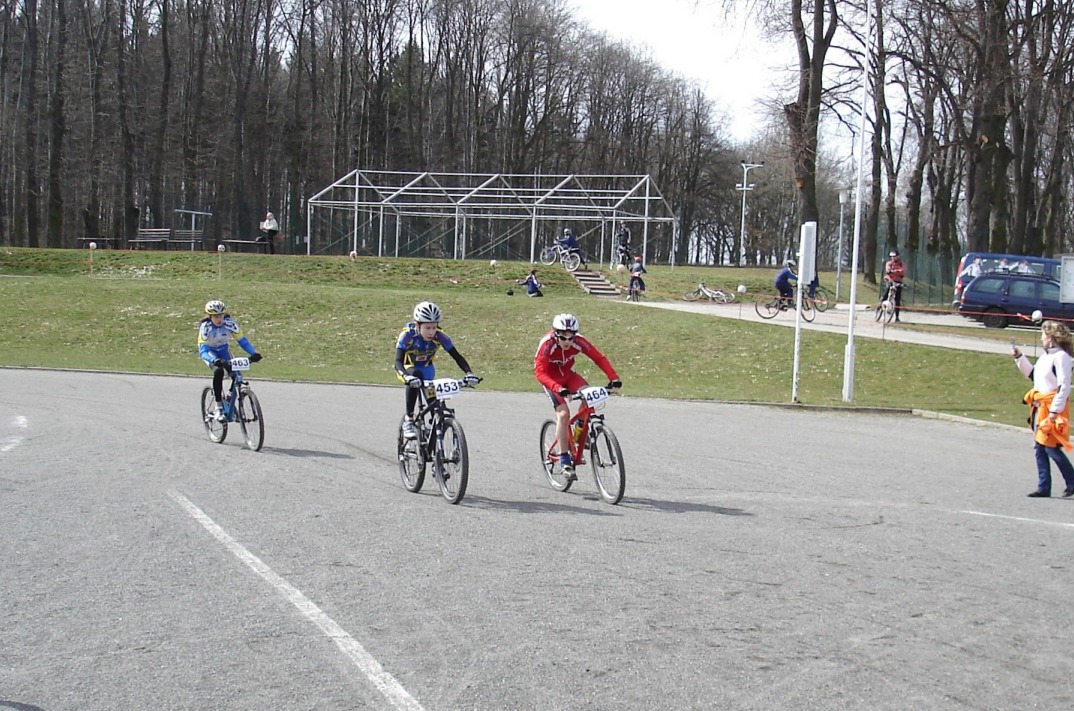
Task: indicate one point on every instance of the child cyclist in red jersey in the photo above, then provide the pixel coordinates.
(553, 364)
(414, 352)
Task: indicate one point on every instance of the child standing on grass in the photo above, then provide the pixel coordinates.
(415, 350)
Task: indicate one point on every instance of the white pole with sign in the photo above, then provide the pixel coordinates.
(807, 271)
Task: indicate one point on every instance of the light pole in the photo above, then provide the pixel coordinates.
(745, 187)
(843, 197)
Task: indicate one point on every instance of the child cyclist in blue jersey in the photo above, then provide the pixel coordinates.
(214, 334)
(415, 350)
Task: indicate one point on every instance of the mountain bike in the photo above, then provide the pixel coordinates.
(440, 441)
(240, 405)
(589, 433)
(885, 310)
(571, 259)
(768, 306)
(703, 292)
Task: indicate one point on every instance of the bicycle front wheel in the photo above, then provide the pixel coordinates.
(411, 460)
(692, 295)
(452, 462)
(550, 458)
(250, 420)
(217, 431)
(606, 458)
(766, 307)
(548, 256)
(571, 261)
(821, 301)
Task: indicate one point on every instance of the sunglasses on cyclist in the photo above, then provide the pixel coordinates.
(568, 336)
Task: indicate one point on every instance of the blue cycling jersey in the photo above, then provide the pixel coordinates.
(419, 353)
(213, 340)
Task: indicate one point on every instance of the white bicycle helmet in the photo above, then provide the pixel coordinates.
(565, 322)
(214, 307)
(790, 263)
(427, 312)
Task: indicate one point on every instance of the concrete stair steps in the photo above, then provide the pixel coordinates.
(594, 283)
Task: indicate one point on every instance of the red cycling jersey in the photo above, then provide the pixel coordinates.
(553, 364)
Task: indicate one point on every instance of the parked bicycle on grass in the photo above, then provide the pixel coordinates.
(703, 292)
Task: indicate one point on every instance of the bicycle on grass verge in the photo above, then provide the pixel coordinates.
(440, 441)
(588, 433)
(703, 292)
(240, 405)
(768, 306)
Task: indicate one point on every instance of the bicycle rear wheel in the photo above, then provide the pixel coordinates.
(809, 312)
(635, 294)
(550, 458)
(767, 307)
(411, 460)
(217, 431)
(452, 462)
(692, 295)
(723, 297)
(548, 256)
(606, 458)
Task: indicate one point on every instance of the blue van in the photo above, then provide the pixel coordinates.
(974, 264)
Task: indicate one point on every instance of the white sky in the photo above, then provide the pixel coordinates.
(693, 39)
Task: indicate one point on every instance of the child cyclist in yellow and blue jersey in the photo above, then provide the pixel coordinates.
(414, 353)
(214, 334)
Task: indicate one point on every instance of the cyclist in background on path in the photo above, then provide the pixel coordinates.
(636, 270)
(553, 364)
(784, 285)
(415, 350)
(214, 335)
(895, 271)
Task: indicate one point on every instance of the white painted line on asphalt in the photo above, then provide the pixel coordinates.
(384, 682)
(1019, 518)
(10, 443)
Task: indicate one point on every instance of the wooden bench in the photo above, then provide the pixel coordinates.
(186, 238)
(148, 236)
(258, 246)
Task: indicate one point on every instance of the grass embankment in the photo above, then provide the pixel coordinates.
(331, 319)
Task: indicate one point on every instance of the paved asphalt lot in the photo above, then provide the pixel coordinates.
(763, 558)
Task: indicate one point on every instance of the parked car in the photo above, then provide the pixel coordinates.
(974, 264)
(1000, 299)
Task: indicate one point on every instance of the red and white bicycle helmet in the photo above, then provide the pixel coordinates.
(565, 322)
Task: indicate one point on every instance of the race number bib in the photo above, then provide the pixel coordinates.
(594, 395)
(240, 363)
(445, 388)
